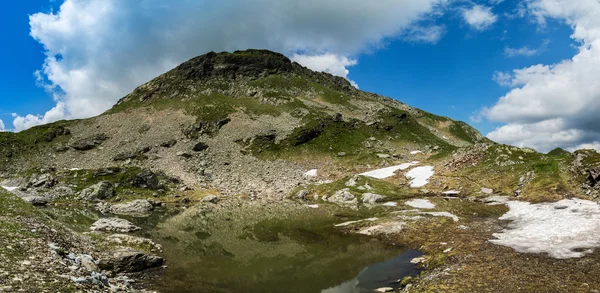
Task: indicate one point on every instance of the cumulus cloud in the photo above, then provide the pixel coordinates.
(555, 105)
(99, 50)
(2, 128)
(479, 17)
(330, 63)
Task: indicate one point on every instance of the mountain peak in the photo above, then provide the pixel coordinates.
(248, 63)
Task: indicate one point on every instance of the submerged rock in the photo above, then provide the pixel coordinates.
(114, 225)
(129, 260)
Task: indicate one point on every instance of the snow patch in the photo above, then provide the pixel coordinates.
(74, 169)
(419, 176)
(311, 173)
(451, 192)
(564, 229)
(420, 204)
(389, 171)
(390, 204)
(416, 152)
(313, 206)
(9, 188)
(441, 214)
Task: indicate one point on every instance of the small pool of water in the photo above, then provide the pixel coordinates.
(263, 249)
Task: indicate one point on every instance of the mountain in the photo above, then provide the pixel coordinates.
(252, 122)
(231, 151)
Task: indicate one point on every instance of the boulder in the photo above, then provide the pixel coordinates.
(133, 240)
(88, 143)
(302, 194)
(138, 207)
(36, 200)
(371, 198)
(169, 143)
(342, 196)
(124, 156)
(211, 199)
(114, 225)
(43, 180)
(200, 147)
(99, 191)
(147, 179)
(129, 260)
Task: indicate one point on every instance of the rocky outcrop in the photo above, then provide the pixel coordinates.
(100, 191)
(89, 143)
(147, 179)
(129, 260)
(114, 225)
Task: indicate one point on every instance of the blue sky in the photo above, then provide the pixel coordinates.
(437, 55)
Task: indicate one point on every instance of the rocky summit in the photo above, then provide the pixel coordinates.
(223, 131)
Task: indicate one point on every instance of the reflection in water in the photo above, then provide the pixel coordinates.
(261, 249)
(383, 274)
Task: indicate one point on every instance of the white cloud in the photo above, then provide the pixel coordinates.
(424, 34)
(523, 51)
(479, 17)
(555, 105)
(99, 50)
(502, 78)
(330, 63)
(595, 145)
(2, 127)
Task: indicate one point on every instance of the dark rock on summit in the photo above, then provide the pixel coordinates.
(169, 144)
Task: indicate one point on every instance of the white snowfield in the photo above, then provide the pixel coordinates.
(564, 229)
(419, 176)
(388, 172)
(420, 204)
(416, 152)
(8, 188)
(311, 173)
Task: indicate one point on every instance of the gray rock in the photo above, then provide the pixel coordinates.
(302, 194)
(132, 240)
(184, 155)
(342, 196)
(89, 143)
(383, 156)
(36, 200)
(352, 181)
(129, 260)
(371, 198)
(43, 180)
(99, 191)
(148, 179)
(341, 154)
(169, 144)
(114, 225)
(200, 147)
(211, 199)
(138, 207)
(125, 156)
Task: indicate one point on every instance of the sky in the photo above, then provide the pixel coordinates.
(523, 72)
